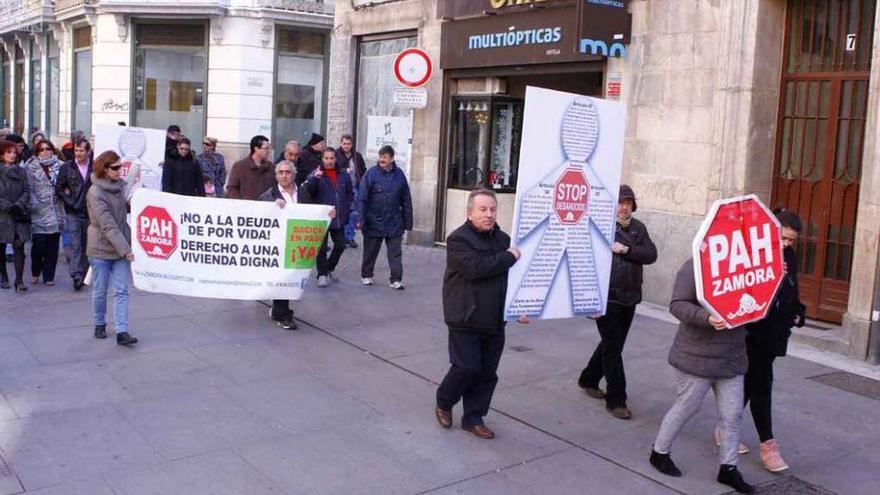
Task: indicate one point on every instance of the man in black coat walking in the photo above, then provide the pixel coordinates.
(631, 250)
(478, 257)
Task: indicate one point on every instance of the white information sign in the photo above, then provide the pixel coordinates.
(410, 97)
(566, 204)
(393, 131)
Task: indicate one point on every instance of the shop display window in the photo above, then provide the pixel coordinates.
(485, 135)
(82, 74)
(299, 87)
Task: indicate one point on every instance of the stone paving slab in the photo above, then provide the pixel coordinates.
(217, 399)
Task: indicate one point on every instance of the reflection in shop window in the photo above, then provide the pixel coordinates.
(299, 88)
(54, 80)
(485, 143)
(82, 89)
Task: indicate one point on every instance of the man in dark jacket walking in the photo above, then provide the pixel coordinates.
(384, 213)
(330, 186)
(350, 160)
(478, 256)
(309, 158)
(253, 174)
(631, 250)
(74, 180)
(181, 173)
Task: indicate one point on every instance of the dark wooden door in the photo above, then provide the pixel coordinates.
(823, 103)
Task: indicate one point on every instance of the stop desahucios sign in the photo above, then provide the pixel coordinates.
(738, 262)
(571, 196)
(156, 232)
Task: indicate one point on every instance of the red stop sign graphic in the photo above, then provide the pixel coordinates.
(738, 261)
(156, 232)
(571, 196)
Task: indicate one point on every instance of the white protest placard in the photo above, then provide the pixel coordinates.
(392, 131)
(142, 151)
(223, 248)
(566, 204)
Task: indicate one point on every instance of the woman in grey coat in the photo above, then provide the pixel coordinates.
(47, 212)
(109, 245)
(706, 355)
(15, 225)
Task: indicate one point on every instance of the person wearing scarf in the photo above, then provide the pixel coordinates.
(47, 212)
(632, 249)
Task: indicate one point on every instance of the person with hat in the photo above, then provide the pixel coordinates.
(309, 159)
(632, 249)
(172, 136)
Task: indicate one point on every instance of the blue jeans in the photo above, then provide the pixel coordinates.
(352, 219)
(104, 272)
(75, 229)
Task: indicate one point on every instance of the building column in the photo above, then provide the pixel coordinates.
(857, 319)
(63, 36)
(111, 70)
(241, 80)
(24, 42)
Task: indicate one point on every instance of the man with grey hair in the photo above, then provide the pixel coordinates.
(291, 152)
(478, 257)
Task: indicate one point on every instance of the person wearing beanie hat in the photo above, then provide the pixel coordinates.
(309, 159)
(632, 249)
(172, 136)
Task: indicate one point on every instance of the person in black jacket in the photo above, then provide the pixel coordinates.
(631, 250)
(172, 137)
(330, 186)
(181, 173)
(478, 257)
(350, 160)
(768, 339)
(73, 183)
(309, 158)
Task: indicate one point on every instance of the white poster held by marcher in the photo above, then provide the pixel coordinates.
(141, 150)
(566, 202)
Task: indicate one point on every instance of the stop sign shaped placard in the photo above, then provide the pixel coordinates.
(738, 261)
(156, 232)
(571, 196)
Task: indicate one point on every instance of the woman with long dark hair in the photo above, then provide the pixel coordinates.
(15, 222)
(47, 213)
(109, 245)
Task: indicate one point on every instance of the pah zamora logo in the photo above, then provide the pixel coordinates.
(156, 232)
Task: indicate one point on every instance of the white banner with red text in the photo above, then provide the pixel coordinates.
(223, 248)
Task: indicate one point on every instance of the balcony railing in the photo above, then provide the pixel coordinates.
(62, 5)
(24, 15)
(311, 6)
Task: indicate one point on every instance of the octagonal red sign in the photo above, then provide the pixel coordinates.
(738, 261)
(571, 196)
(156, 232)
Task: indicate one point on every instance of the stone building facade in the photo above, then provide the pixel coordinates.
(773, 97)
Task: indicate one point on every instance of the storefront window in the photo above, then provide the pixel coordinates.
(169, 75)
(376, 83)
(54, 80)
(299, 89)
(485, 142)
(36, 93)
(82, 73)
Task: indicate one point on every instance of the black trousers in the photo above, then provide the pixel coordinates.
(472, 377)
(17, 260)
(758, 390)
(607, 359)
(44, 255)
(327, 264)
(281, 310)
(394, 250)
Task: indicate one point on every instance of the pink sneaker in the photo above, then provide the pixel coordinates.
(743, 449)
(771, 459)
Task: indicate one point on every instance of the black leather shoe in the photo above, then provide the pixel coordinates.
(664, 464)
(78, 284)
(125, 339)
(729, 475)
(287, 324)
(100, 331)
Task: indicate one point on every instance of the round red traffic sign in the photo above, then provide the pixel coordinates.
(413, 67)
(571, 196)
(738, 262)
(156, 232)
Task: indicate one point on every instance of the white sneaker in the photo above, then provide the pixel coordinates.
(397, 285)
(367, 281)
(323, 281)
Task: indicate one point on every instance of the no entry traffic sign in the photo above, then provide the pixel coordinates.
(738, 261)
(413, 67)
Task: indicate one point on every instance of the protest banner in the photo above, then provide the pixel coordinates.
(566, 203)
(223, 248)
(142, 151)
(738, 264)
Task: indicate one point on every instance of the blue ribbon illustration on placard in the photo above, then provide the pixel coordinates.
(573, 200)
